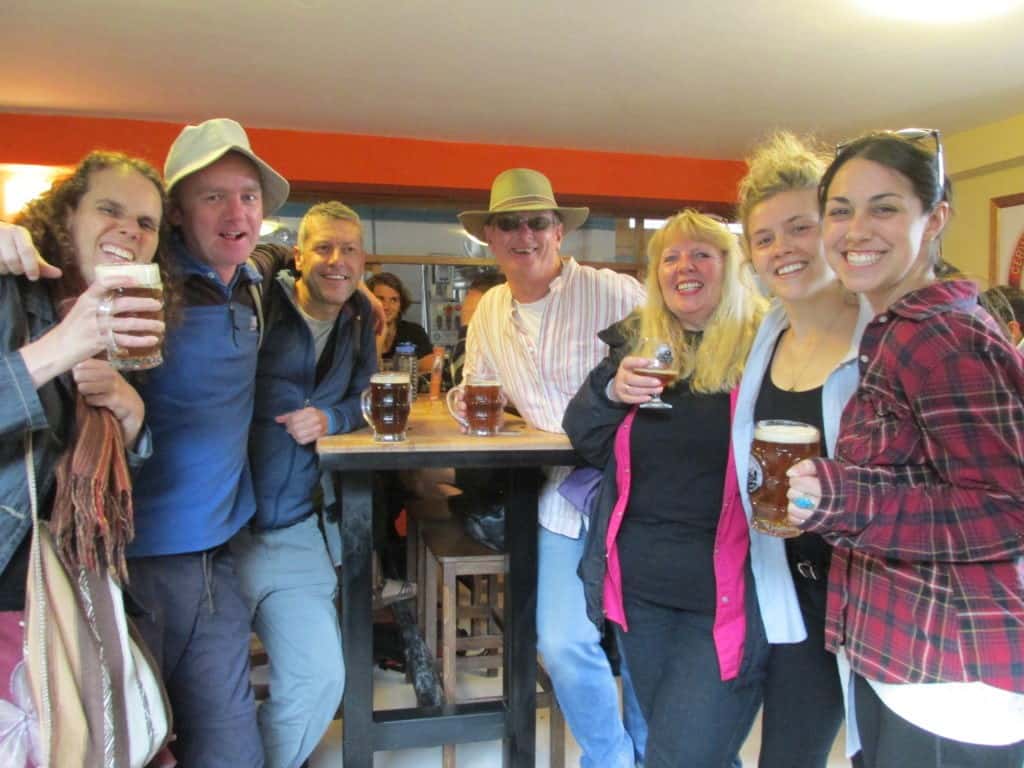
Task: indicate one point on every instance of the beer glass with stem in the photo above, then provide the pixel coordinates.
(660, 366)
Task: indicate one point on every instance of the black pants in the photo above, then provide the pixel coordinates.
(803, 700)
(889, 741)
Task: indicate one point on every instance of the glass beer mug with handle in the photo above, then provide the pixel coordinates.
(385, 405)
(147, 286)
(778, 445)
(484, 402)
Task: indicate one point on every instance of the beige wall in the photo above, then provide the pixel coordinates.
(983, 163)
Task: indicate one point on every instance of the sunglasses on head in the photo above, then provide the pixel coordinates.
(511, 222)
(915, 134)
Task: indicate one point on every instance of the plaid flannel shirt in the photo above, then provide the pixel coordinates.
(925, 502)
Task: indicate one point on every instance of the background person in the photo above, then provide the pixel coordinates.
(1006, 304)
(537, 335)
(802, 367)
(395, 298)
(474, 292)
(316, 359)
(666, 556)
(924, 499)
(110, 210)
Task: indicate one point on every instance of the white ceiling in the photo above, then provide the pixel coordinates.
(672, 77)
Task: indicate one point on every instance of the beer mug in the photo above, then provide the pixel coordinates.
(778, 445)
(147, 286)
(385, 405)
(484, 405)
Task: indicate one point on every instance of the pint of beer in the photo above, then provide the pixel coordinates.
(484, 405)
(386, 405)
(147, 286)
(778, 445)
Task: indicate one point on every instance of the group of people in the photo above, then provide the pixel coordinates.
(900, 608)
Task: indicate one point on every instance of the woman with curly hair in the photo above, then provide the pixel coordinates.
(86, 420)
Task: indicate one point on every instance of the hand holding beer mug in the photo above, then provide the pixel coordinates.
(146, 284)
(484, 403)
(778, 445)
(386, 405)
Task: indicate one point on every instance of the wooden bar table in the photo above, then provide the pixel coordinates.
(434, 440)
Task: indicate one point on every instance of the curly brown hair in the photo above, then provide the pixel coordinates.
(46, 219)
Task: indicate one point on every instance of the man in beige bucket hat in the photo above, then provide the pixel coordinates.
(537, 335)
(196, 492)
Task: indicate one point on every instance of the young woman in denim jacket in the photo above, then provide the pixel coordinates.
(924, 499)
(666, 551)
(802, 367)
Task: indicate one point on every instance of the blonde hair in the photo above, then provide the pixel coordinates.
(330, 209)
(714, 361)
(781, 163)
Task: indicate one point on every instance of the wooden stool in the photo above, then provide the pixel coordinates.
(448, 554)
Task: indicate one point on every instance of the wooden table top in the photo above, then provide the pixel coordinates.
(434, 440)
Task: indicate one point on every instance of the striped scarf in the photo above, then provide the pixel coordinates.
(91, 520)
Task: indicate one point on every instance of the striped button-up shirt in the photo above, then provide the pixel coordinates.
(926, 500)
(540, 376)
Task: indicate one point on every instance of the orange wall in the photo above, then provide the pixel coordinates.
(391, 165)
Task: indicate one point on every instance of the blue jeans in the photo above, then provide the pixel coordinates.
(694, 718)
(195, 623)
(574, 658)
(289, 583)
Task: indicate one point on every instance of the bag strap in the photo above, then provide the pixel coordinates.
(39, 594)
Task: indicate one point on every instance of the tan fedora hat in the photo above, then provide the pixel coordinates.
(521, 189)
(199, 146)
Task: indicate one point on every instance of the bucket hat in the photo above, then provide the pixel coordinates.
(199, 146)
(521, 189)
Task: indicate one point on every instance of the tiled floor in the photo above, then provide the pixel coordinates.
(390, 690)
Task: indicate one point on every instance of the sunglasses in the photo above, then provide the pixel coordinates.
(915, 134)
(509, 223)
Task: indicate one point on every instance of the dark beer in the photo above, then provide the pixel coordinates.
(149, 286)
(778, 445)
(484, 405)
(386, 406)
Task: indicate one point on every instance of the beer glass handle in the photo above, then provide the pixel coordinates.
(364, 403)
(105, 321)
(451, 405)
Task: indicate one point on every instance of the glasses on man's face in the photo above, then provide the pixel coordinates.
(916, 134)
(510, 223)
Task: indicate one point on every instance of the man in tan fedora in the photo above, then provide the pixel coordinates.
(537, 334)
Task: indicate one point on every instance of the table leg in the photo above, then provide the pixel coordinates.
(520, 678)
(356, 495)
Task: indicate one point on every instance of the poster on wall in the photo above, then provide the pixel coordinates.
(1006, 240)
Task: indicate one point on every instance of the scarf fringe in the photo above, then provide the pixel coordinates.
(92, 521)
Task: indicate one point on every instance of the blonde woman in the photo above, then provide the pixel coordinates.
(666, 552)
(802, 367)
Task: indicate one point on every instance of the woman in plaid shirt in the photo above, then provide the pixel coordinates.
(924, 500)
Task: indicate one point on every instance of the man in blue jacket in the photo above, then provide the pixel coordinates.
(196, 492)
(317, 357)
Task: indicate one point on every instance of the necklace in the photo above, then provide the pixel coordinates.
(809, 357)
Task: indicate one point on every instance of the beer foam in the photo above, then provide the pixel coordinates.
(787, 432)
(483, 383)
(390, 377)
(143, 274)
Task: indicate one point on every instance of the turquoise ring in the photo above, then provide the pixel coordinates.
(804, 502)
